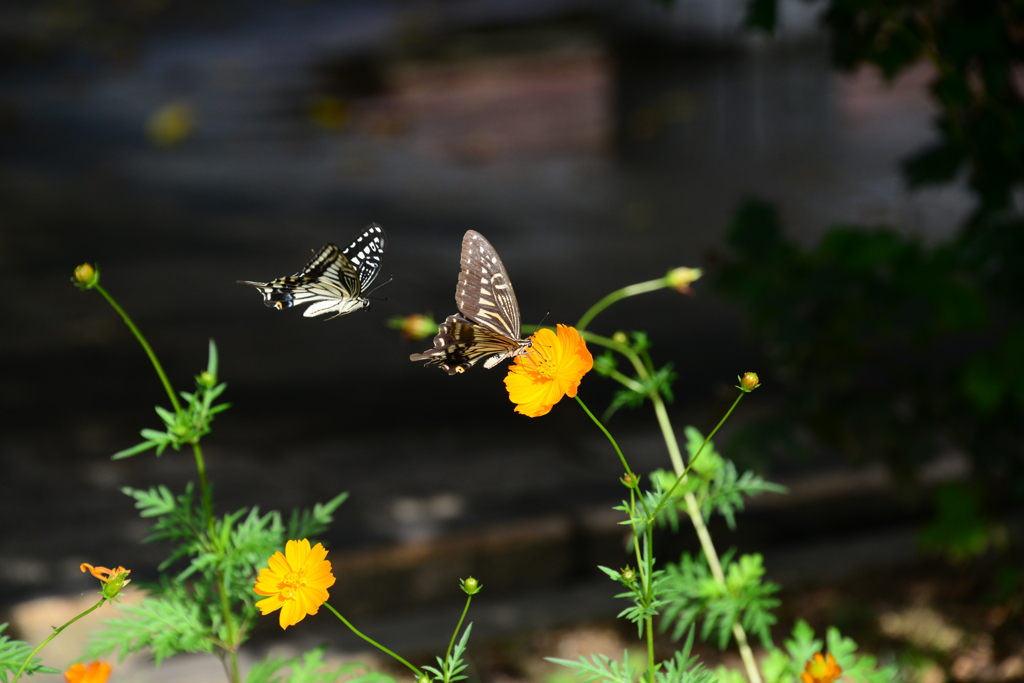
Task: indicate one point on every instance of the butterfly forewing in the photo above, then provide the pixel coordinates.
(333, 281)
(484, 293)
(490, 325)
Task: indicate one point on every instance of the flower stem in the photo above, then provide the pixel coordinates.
(146, 347)
(204, 487)
(53, 635)
(618, 450)
(371, 641)
(455, 633)
(618, 295)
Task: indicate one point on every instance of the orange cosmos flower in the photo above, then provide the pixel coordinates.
(296, 582)
(113, 579)
(551, 369)
(96, 672)
(821, 669)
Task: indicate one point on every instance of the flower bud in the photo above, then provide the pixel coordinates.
(206, 379)
(630, 481)
(620, 338)
(423, 678)
(471, 586)
(680, 279)
(112, 587)
(86, 276)
(749, 382)
(627, 574)
(415, 326)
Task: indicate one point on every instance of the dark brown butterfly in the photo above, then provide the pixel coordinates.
(489, 324)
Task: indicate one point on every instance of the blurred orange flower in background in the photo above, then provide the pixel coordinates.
(296, 582)
(821, 669)
(551, 369)
(96, 672)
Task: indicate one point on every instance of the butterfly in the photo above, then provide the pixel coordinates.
(334, 281)
(489, 324)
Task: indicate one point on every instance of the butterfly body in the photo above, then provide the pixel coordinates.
(489, 324)
(334, 281)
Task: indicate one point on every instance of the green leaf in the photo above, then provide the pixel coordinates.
(13, 654)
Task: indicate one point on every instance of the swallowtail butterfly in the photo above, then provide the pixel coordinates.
(489, 324)
(334, 281)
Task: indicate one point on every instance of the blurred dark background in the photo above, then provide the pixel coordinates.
(186, 145)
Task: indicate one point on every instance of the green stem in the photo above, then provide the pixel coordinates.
(682, 477)
(371, 641)
(617, 295)
(204, 488)
(618, 450)
(53, 635)
(455, 633)
(146, 347)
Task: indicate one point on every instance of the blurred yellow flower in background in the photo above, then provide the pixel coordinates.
(171, 124)
(95, 672)
(551, 369)
(296, 582)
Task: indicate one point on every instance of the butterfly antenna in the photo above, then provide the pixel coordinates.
(379, 286)
(544, 318)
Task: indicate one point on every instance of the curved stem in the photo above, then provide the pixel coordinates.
(53, 635)
(618, 450)
(145, 346)
(455, 633)
(371, 641)
(618, 295)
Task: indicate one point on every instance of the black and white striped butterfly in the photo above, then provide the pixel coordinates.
(334, 281)
(489, 324)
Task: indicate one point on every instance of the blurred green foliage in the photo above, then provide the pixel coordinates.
(890, 349)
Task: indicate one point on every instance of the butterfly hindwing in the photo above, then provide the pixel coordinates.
(489, 326)
(333, 281)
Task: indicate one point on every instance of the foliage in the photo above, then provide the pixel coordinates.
(13, 653)
(451, 667)
(189, 425)
(693, 593)
(308, 668)
(785, 666)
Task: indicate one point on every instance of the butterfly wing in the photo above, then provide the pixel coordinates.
(366, 254)
(490, 324)
(460, 343)
(484, 293)
(332, 281)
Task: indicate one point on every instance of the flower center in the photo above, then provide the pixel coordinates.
(545, 367)
(291, 583)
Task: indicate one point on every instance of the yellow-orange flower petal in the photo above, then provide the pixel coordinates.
(95, 672)
(821, 669)
(102, 573)
(295, 582)
(551, 369)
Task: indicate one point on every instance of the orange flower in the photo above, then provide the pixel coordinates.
(102, 573)
(113, 579)
(296, 582)
(96, 672)
(821, 669)
(552, 368)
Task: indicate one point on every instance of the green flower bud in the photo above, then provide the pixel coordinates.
(112, 587)
(627, 574)
(423, 678)
(630, 481)
(620, 338)
(86, 276)
(206, 379)
(749, 382)
(471, 586)
(680, 279)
